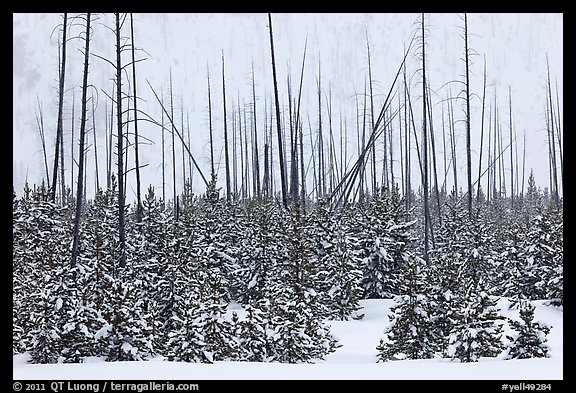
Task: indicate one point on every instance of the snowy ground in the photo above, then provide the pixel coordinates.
(356, 359)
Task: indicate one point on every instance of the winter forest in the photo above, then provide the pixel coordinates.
(235, 212)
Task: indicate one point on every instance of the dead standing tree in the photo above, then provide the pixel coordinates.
(79, 189)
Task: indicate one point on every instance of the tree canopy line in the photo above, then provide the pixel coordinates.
(130, 281)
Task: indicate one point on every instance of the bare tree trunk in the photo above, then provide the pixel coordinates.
(434, 167)
(212, 172)
(481, 133)
(445, 167)
(524, 162)
(490, 170)
(280, 139)
(511, 151)
(163, 157)
(400, 145)
(79, 198)
(110, 138)
(59, 128)
(256, 151)
(453, 145)
(121, 196)
(293, 190)
(246, 161)
(226, 156)
(137, 162)
(468, 148)
(95, 146)
(183, 156)
(332, 157)
(266, 179)
(72, 163)
(243, 182)
(559, 131)
(363, 181)
(271, 155)
(234, 156)
(425, 152)
(40, 123)
(554, 189)
(190, 170)
(313, 157)
(373, 158)
(408, 190)
(321, 167)
(174, 194)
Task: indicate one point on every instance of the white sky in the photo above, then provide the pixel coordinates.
(515, 46)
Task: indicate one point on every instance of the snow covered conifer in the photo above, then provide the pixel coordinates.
(530, 340)
(411, 335)
(476, 332)
(381, 225)
(336, 264)
(185, 341)
(252, 337)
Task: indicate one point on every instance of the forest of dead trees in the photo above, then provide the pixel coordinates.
(298, 225)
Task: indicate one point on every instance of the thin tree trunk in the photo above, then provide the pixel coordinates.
(95, 146)
(256, 153)
(163, 157)
(490, 170)
(243, 183)
(511, 150)
(110, 138)
(321, 167)
(62, 171)
(559, 131)
(174, 195)
(468, 147)
(523, 162)
(408, 190)
(190, 170)
(453, 144)
(554, 166)
(79, 199)
(246, 161)
(280, 139)
(72, 163)
(481, 133)
(234, 156)
(373, 158)
(121, 196)
(183, 156)
(137, 162)
(226, 156)
(40, 123)
(59, 127)
(425, 152)
(212, 172)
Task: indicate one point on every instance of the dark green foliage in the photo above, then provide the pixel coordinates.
(412, 333)
(291, 270)
(476, 331)
(530, 340)
(337, 264)
(252, 335)
(383, 229)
